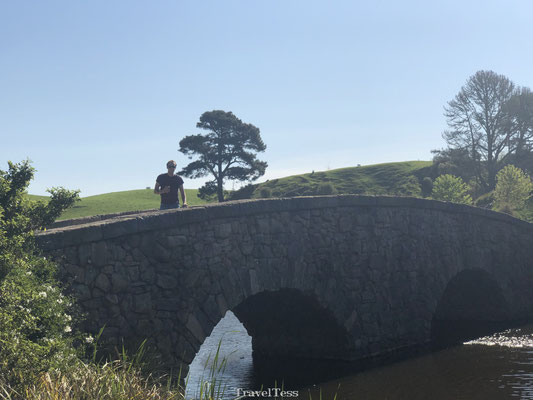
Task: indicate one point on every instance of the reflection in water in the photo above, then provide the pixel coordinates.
(494, 367)
(235, 348)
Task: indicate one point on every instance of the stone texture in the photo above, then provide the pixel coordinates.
(364, 275)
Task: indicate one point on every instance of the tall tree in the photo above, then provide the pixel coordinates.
(520, 111)
(479, 123)
(227, 151)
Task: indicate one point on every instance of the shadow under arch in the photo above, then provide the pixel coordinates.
(289, 323)
(294, 340)
(471, 306)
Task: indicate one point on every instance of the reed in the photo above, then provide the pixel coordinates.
(123, 378)
(119, 379)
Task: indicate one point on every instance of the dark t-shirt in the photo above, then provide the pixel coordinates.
(174, 182)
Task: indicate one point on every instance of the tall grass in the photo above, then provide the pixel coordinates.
(125, 378)
(122, 378)
(119, 379)
(211, 387)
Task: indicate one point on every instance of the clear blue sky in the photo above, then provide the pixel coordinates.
(98, 93)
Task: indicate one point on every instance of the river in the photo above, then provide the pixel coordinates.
(499, 366)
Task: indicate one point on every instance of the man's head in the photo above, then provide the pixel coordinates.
(171, 166)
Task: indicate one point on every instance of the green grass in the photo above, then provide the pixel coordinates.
(395, 179)
(399, 178)
(108, 203)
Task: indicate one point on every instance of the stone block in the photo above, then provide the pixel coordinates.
(148, 275)
(161, 254)
(185, 352)
(111, 334)
(171, 304)
(263, 225)
(81, 292)
(191, 215)
(119, 282)
(118, 253)
(112, 298)
(95, 305)
(166, 281)
(212, 310)
(145, 327)
(102, 282)
(50, 240)
(133, 273)
(114, 312)
(97, 293)
(177, 241)
(255, 286)
(195, 328)
(85, 254)
(98, 253)
(223, 231)
(83, 234)
(76, 272)
(142, 303)
(119, 228)
(222, 304)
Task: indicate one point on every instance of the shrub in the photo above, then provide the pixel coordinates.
(426, 186)
(326, 188)
(36, 319)
(485, 201)
(513, 188)
(450, 188)
(265, 192)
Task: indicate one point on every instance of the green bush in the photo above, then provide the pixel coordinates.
(513, 188)
(36, 319)
(450, 188)
(326, 188)
(485, 201)
(265, 192)
(426, 186)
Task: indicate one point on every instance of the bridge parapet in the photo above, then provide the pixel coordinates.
(114, 225)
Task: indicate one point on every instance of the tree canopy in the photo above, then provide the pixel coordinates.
(491, 125)
(227, 151)
(513, 189)
(451, 188)
(478, 122)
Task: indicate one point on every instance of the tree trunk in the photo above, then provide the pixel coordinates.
(220, 191)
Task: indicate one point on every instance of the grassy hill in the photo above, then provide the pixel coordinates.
(399, 178)
(395, 179)
(108, 203)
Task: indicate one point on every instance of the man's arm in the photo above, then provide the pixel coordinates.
(159, 190)
(183, 198)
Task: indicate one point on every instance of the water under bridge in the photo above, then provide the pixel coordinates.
(332, 277)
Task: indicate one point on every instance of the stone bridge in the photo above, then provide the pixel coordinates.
(333, 277)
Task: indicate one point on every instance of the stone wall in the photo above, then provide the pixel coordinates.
(343, 277)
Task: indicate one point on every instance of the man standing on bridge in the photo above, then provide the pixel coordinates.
(167, 186)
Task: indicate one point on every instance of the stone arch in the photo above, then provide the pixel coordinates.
(473, 304)
(289, 323)
(285, 323)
